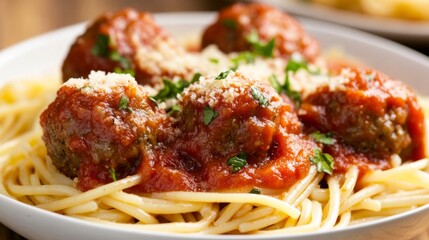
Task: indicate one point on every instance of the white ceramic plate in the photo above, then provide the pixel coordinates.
(410, 32)
(43, 55)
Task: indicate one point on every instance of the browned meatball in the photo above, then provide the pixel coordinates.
(239, 117)
(100, 126)
(370, 112)
(114, 42)
(235, 24)
(241, 122)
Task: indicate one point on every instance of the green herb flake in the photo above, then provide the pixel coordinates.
(124, 71)
(123, 61)
(296, 98)
(113, 174)
(268, 49)
(173, 109)
(325, 138)
(171, 89)
(255, 191)
(115, 56)
(296, 62)
(275, 83)
(196, 77)
(153, 100)
(259, 96)
(123, 104)
(230, 23)
(292, 94)
(237, 162)
(125, 64)
(246, 57)
(323, 161)
(101, 47)
(209, 115)
(214, 60)
(259, 48)
(253, 37)
(223, 75)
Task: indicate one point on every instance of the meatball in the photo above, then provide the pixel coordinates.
(97, 129)
(368, 111)
(121, 42)
(235, 24)
(236, 117)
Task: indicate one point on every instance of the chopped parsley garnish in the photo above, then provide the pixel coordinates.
(295, 63)
(124, 71)
(113, 174)
(237, 162)
(325, 138)
(230, 23)
(171, 89)
(223, 75)
(247, 57)
(196, 77)
(214, 60)
(292, 94)
(123, 62)
(154, 101)
(259, 96)
(259, 48)
(255, 191)
(174, 108)
(123, 104)
(275, 83)
(209, 115)
(101, 49)
(115, 56)
(323, 161)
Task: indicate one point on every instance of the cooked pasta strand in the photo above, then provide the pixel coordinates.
(230, 197)
(332, 208)
(134, 211)
(91, 194)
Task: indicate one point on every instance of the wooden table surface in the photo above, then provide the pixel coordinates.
(22, 19)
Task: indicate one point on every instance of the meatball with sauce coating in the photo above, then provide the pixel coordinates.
(236, 23)
(370, 112)
(97, 129)
(228, 118)
(121, 42)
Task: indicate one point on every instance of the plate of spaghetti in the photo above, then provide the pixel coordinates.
(234, 125)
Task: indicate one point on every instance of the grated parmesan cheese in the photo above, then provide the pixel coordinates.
(100, 82)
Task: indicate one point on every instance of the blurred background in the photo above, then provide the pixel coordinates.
(22, 19)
